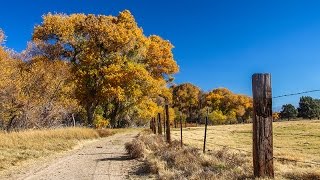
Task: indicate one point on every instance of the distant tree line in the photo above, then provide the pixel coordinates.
(309, 108)
(220, 105)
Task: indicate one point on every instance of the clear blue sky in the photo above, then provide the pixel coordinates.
(217, 43)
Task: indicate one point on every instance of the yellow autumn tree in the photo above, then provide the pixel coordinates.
(113, 63)
(217, 117)
(10, 87)
(185, 97)
(35, 92)
(235, 107)
(48, 92)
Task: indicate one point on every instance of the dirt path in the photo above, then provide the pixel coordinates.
(105, 159)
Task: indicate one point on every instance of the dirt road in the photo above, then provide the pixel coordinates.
(105, 159)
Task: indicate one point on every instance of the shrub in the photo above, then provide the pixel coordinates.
(135, 148)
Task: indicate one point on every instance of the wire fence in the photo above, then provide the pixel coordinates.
(293, 160)
(249, 152)
(294, 94)
(274, 157)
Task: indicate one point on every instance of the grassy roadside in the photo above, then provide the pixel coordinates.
(293, 140)
(298, 140)
(164, 161)
(19, 147)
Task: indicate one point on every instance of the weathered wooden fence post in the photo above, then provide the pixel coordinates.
(159, 124)
(154, 126)
(262, 126)
(164, 123)
(181, 128)
(168, 135)
(205, 133)
(74, 121)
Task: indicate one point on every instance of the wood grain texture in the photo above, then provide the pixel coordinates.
(262, 126)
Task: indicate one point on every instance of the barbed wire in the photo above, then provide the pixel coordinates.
(294, 94)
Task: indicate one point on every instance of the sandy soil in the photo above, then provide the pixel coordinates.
(104, 159)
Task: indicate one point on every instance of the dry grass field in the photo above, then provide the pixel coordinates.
(295, 140)
(19, 147)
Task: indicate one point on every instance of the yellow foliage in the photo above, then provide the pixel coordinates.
(217, 117)
(34, 93)
(172, 115)
(101, 122)
(234, 106)
(275, 116)
(185, 97)
(113, 61)
(147, 110)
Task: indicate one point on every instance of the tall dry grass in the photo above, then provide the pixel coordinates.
(173, 162)
(17, 147)
(293, 140)
(166, 161)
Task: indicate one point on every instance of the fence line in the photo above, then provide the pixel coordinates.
(275, 157)
(294, 94)
(296, 161)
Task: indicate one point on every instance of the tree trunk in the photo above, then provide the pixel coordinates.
(10, 124)
(168, 135)
(113, 115)
(159, 124)
(164, 123)
(73, 120)
(90, 114)
(154, 125)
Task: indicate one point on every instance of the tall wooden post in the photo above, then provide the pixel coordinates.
(262, 126)
(74, 121)
(181, 128)
(168, 135)
(154, 126)
(159, 124)
(205, 133)
(164, 123)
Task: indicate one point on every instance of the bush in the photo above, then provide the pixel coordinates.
(135, 148)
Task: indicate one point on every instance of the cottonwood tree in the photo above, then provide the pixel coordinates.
(34, 92)
(10, 99)
(185, 97)
(113, 63)
(234, 106)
